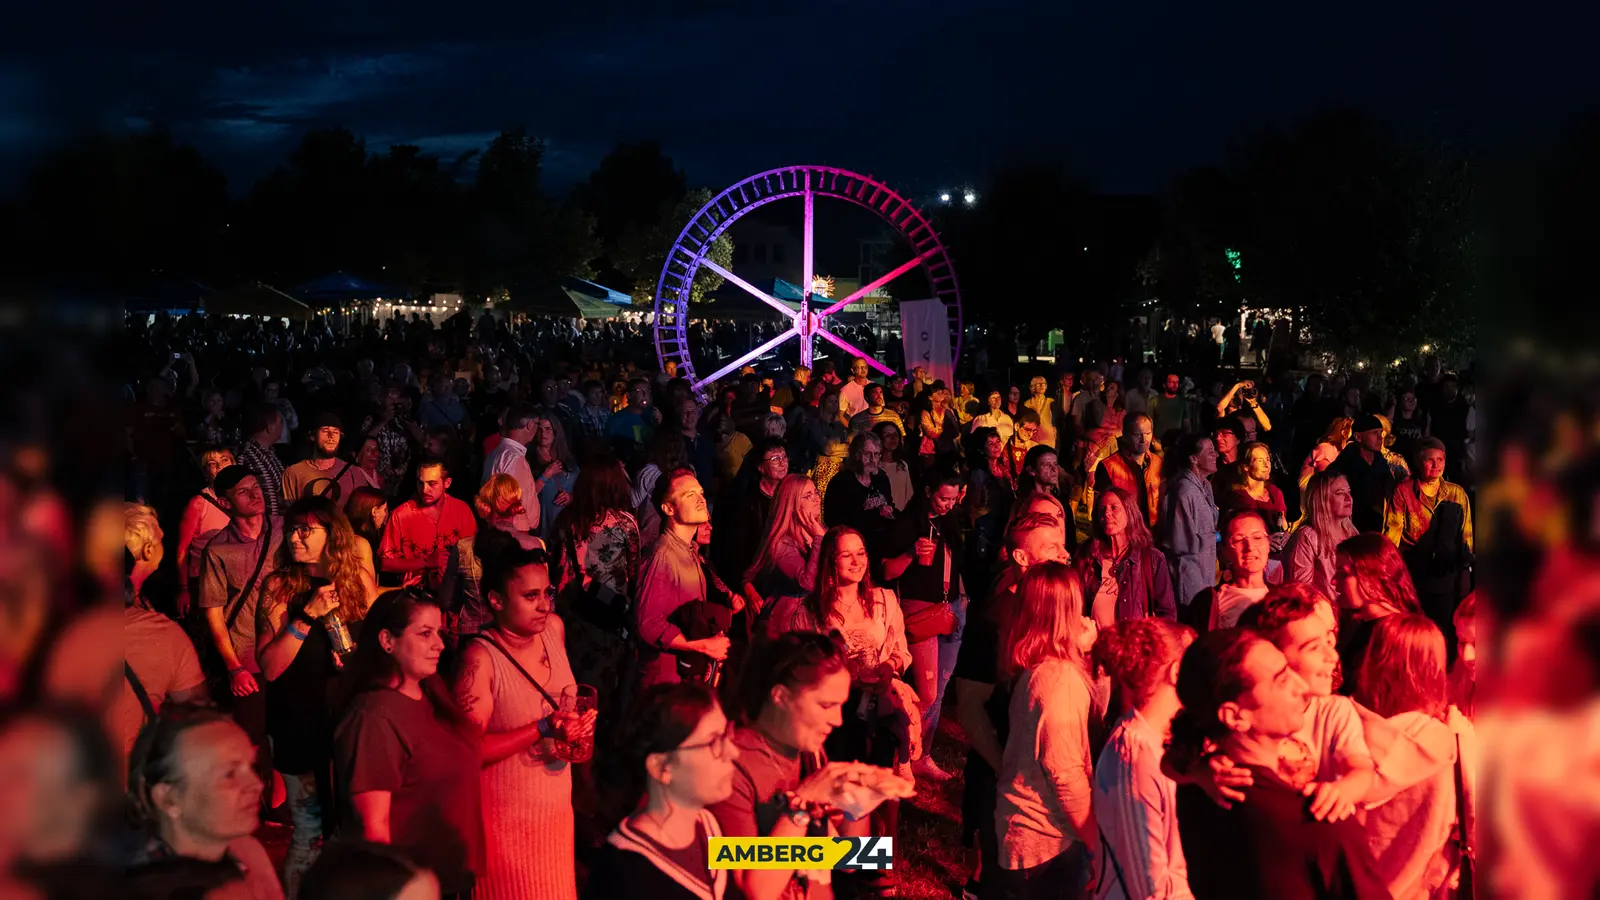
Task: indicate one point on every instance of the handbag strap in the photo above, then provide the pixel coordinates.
(1463, 832)
(554, 703)
(139, 691)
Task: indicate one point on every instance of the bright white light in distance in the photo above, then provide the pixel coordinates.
(970, 197)
(944, 198)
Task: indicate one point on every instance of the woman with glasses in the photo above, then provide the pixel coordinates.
(511, 682)
(792, 696)
(670, 759)
(321, 572)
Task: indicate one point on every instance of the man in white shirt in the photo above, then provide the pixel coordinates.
(510, 457)
(1218, 333)
(852, 397)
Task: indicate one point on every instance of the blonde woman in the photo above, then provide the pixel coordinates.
(940, 427)
(499, 506)
(1312, 548)
(1043, 815)
(783, 567)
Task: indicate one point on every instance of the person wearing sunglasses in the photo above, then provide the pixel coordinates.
(670, 759)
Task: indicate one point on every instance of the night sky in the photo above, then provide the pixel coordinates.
(922, 94)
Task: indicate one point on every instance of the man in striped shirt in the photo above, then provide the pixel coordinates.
(265, 425)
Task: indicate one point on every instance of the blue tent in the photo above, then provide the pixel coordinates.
(595, 291)
(338, 287)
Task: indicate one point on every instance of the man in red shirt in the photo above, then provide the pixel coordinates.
(421, 531)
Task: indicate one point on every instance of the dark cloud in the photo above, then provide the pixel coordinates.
(914, 89)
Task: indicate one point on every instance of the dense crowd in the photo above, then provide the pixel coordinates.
(489, 610)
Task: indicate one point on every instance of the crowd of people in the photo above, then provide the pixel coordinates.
(493, 611)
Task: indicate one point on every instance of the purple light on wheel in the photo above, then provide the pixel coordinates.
(672, 308)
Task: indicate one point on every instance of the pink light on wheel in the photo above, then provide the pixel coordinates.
(688, 254)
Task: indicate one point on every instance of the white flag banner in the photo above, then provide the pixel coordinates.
(925, 326)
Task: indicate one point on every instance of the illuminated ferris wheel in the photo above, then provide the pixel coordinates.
(688, 254)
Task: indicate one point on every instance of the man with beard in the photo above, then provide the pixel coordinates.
(1133, 468)
(671, 576)
(1169, 410)
(324, 474)
(420, 532)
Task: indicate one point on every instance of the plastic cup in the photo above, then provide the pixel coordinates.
(575, 701)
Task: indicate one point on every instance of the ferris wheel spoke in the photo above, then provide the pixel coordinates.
(880, 281)
(849, 348)
(807, 272)
(754, 291)
(752, 355)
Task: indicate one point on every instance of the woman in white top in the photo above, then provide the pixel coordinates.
(1134, 803)
(1043, 818)
(1412, 832)
(1313, 547)
(995, 417)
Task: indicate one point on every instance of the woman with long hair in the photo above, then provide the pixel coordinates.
(1309, 555)
(367, 509)
(1370, 582)
(782, 568)
(1133, 800)
(404, 752)
(1103, 417)
(1251, 487)
(368, 457)
(901, 485)
(595, 566)
(792, 695)
(550, 446)
(1122, 571)
(1043, 813)
(319, 590)
(1240, 696)
(669, 759)
(1412, 833)
(511, 676)
(203, 515)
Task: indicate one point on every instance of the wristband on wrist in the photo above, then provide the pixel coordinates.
(546, 727)
(235, 670)
(296, 633)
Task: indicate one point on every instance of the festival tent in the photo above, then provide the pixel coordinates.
(337, 288)
(571, 297)
(257, 299)
(733, 302)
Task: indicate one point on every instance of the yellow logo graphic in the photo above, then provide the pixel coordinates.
(802, 854)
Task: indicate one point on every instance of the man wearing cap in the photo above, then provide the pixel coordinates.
(1364, 466)
(233, 565)
(324, 474)
(1226, 436)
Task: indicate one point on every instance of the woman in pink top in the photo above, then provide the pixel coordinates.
(1043, 818)
(202, 516)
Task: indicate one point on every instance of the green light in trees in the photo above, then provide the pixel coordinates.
(1233, 260)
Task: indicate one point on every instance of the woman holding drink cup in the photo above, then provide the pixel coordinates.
(516, 687)
(320, 588)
